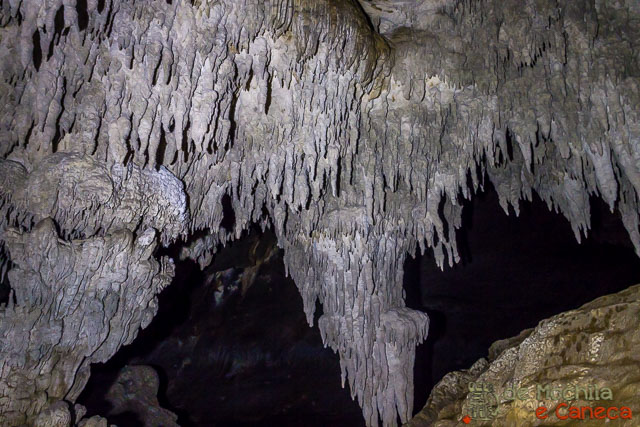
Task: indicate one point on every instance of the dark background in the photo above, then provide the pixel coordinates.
(249, 358)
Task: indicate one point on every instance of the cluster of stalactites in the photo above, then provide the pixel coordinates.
(538, 97)
(358, 280)
(356, 148)
(189, 85)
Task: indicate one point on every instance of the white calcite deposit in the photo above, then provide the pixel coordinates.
(353, 129)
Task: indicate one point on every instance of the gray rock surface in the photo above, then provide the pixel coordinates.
(135, 391)
(353, 135)
(74, 303)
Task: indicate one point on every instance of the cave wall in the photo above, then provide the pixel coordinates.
(353, 135)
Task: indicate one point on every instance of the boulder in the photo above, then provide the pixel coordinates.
(578, 366)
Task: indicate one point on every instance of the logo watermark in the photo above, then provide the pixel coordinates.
(484, 400)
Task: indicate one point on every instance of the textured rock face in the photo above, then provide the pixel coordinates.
(353, 135)
(594, 347)
(135, 391)
(234, 347)
(74, 303)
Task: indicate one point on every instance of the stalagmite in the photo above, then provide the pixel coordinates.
(352, 128)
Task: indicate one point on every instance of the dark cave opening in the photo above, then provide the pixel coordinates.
(514, 272)
(232, 347)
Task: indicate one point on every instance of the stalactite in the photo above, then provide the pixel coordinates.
(354, 136)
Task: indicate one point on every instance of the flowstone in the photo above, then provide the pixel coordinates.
(352, 128)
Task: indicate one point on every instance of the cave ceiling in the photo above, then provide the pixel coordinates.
(353, 129)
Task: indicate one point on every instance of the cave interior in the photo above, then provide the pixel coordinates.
(318, 212)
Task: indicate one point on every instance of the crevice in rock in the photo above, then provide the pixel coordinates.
(228, 215)
(58, 22)
(83, 15)
(37, 50)
(5, 286)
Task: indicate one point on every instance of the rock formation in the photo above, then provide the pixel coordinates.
(234, 348)
(135, 391)
(594, 347)
(74, 303)
(352, 128)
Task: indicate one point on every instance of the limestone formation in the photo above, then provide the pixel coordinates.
(351, 128)
(135, 392)
(74, 303)
(557, 365)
